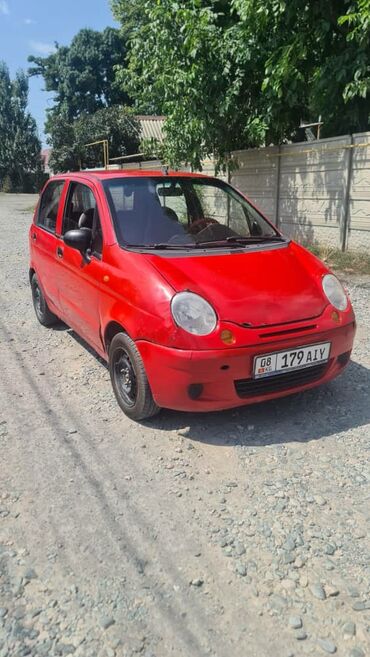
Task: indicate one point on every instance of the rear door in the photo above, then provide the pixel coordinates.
(44, 239)
(80, 282)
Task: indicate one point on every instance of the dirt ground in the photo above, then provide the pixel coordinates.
(235, 534)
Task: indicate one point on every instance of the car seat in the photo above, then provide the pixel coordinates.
(170, 214)
(86, 219)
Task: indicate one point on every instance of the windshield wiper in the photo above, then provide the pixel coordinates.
(235, 240)
(161, 245)
(165, 245)
(255, 238)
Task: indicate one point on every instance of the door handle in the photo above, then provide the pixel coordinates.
(59, 252)
(33, 237)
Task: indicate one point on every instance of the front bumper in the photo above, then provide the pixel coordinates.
(225, 375)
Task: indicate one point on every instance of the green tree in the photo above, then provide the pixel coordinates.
(117, 124)
(82, 75)
(20, 147)
(234, 73)
(131, 16)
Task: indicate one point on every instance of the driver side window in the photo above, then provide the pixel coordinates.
(81, 212)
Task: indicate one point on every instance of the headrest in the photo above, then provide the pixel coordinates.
(86, 219)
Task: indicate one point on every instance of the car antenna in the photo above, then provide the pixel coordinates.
(165, 169)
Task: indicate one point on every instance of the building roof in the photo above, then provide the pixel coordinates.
(151, 126)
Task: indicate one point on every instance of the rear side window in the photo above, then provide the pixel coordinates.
(48, 211)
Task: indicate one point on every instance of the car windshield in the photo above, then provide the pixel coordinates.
(176, 212)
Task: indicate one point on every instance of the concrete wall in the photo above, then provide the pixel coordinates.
(359, 196)
(316, 192)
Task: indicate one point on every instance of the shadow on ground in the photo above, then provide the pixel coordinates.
(340, 405)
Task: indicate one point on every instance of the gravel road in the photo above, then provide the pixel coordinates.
(235, 534)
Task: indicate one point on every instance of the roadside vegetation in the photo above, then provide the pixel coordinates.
(88, 105)
(348, 262)
(229, 74)
(20, 148)
(226, 74)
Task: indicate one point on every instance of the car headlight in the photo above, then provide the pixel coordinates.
(193, 313)
(334, 292)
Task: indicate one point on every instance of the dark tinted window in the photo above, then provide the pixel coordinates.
(48, 211)
(81, 212)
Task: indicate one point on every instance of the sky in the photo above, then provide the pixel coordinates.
(31, 27)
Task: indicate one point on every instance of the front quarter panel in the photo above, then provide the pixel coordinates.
(135, 296)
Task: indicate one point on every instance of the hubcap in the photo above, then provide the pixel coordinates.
(125, 377)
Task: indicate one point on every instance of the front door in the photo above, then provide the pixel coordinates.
(79, 282)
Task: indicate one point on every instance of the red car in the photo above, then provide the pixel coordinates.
(194, 298)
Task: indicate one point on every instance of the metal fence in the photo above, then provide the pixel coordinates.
(316, 192)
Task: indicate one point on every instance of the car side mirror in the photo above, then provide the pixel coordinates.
(79, 239)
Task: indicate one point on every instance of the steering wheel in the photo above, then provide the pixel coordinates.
(200, 224)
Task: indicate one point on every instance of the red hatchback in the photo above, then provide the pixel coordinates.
(195, 299)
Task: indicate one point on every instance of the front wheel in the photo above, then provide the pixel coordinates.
(129, 379)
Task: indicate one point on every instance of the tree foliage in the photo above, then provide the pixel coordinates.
(20, 147)
(88, 103)
(68, 138)
(82, 74)
(234, 73)
(130, 14)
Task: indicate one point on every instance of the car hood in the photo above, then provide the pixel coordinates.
(259, 287)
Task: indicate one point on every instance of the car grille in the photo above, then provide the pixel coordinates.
(254, 387)
(297, 329)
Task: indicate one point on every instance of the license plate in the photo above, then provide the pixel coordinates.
(293, 359)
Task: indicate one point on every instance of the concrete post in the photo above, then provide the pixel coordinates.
(347, 199)
(277, 188)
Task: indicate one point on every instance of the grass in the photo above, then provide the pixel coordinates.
(349, 262)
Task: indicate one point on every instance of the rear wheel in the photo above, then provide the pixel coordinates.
(129, 379)
(43, 314)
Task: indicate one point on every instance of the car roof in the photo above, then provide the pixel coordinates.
(128, 173)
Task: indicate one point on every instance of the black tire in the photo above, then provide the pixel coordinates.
(43, 314)
(129, 379)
